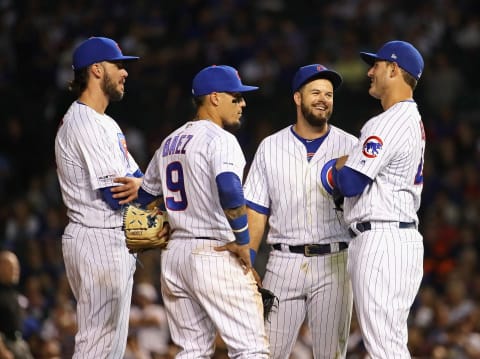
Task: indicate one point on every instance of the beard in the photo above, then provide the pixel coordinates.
(232, 127)
(315, 120)
(110, 89)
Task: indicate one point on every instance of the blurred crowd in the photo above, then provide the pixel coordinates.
(267, 40)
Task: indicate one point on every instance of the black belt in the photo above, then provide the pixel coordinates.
(310, 250)
(366, 226)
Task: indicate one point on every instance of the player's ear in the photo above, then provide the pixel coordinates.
(394, 69)
(213, 98)
(297, 98)
(96, 69)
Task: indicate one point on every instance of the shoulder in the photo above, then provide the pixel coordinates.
(208, 134)
(401, 115)
(337, 132)
(80, 117)
(276, 137)
(402, 109)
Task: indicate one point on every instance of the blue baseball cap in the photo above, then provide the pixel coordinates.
(315, 71)
(219, 78)
(98, 49)
(401, 52)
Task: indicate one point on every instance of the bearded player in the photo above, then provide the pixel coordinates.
(289, 186)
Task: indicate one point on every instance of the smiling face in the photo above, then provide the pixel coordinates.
(316, 102)
(379, 76)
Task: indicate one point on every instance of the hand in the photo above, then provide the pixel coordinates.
(257, 278)
(128, 191)
(165, 232)
(242, 252)
(341, 162)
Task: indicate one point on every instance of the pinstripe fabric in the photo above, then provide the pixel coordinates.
(316, 288)
(386, 267)
(393, 196)
(100, 273)
(210, 151)
(204, 291)
(386, 263)
(88, 157)
(301, 212)
(90, 151)
(281, 179)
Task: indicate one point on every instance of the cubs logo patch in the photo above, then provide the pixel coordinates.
(326, 176)
(372, 146)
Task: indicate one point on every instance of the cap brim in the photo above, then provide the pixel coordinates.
(329, 75)
(369, 58)
(124, 58)
(334, 78)
(245, 88)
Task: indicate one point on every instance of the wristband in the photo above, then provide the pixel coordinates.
(240, 229)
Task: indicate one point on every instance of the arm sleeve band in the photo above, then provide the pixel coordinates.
(258, 208)
(138, 173)
(350, 182)
(240, 229)
(144, 197)
(107, 197)
(230, 190)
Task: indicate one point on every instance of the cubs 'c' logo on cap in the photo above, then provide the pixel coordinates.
(326, 176)
(372, 146)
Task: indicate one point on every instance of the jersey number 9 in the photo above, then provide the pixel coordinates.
(176, 186)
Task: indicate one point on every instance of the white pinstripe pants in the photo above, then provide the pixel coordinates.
(100, 272)
(314, 288)
(205, 292)
(386, 267)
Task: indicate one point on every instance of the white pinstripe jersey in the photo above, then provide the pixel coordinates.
(90, 151)
(390, 150)
(296, 191)
(184, 170)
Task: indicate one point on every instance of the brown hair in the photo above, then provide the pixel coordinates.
(79, 82)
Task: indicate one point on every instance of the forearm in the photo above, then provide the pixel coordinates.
(237, 217)
(256, 224)
(341, 162)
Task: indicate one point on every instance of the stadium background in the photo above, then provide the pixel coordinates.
(266, 40)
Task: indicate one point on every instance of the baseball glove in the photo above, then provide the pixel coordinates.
(141, 227)
(269, 300)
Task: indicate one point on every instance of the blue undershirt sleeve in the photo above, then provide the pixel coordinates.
(230, 192)
(350, 182)
(144, 197)
(138, 173)
(107, 197)
(107, 194)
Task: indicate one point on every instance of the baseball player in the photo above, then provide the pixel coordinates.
(382, 180)
(289, 185)
(207, 282)
(97, 175)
